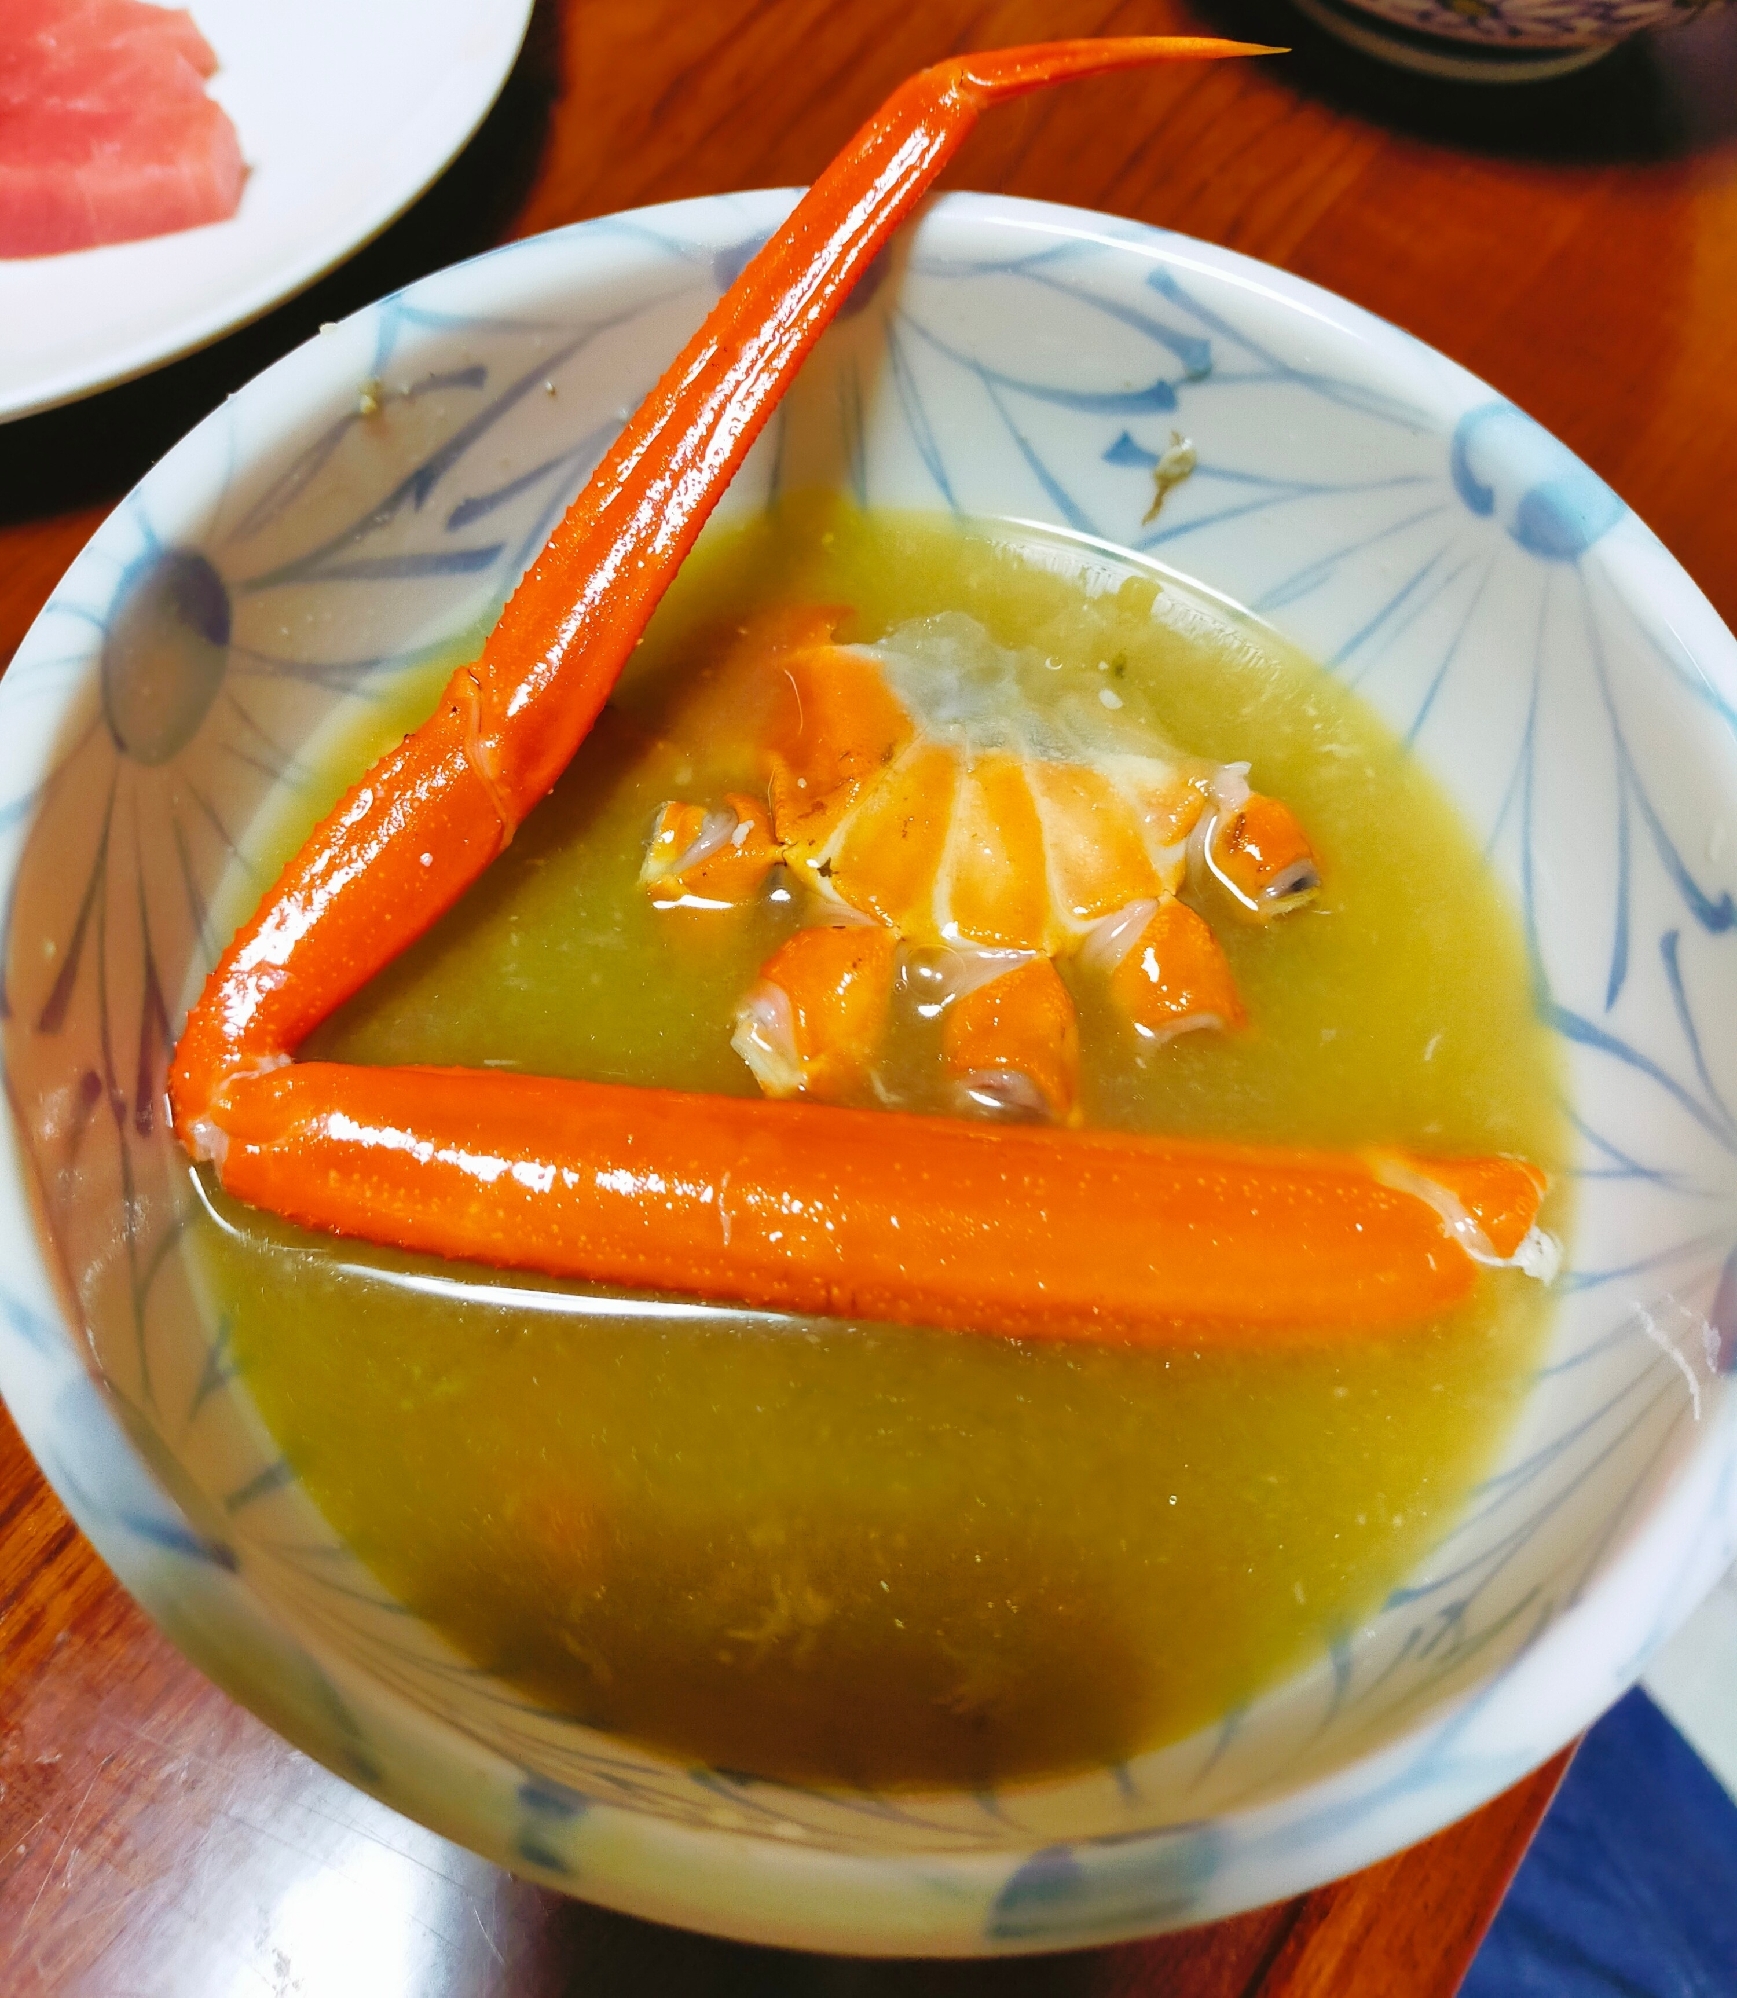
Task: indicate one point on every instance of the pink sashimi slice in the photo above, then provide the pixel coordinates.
(90, 24)
(101, 82)
(106, 133)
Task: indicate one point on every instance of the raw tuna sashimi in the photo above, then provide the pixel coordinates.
(79, 24)
(106, 133)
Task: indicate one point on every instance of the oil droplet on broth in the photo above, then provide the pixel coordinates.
(880, 1555)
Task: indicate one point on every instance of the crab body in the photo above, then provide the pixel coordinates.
(939, 808)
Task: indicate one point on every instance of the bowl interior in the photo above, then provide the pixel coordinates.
(372, 498)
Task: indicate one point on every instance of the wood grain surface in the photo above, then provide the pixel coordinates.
(156, 1841)
(1575, 243)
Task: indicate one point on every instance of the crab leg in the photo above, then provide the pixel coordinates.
(998, 1228)
(1014, 1042)
(1167, 971)
(1074, 1234)
(811, 1022)
(709, 859)
(407, 842)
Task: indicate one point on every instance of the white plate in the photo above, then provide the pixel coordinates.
(346, 113)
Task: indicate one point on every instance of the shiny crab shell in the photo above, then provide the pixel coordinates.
(924, 786)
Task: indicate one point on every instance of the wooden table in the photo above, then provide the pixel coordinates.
(1575, 243)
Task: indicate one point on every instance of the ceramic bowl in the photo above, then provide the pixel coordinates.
(1495, 41)
(377, 492)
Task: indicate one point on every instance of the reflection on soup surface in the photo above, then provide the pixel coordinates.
(879, 1555)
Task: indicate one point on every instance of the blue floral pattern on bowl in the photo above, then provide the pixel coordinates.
(370, 500)
(1507, 25)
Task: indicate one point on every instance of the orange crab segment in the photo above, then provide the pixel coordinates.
(994, 892)
(1263, 856)
(990, 1227)
(1175, 978)
(723, 855)
(891, 851)
(1097, 860)
(1167, 804)
(1498, 1196)
(1020, 1026)
(811, 1024)
(836, 728)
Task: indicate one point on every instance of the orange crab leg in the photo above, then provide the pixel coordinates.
(407, 842)
(718, 857)
(811, 1022)
(1263, 856)
(1004, 1229)
(1021, 1024)
(1175, 976)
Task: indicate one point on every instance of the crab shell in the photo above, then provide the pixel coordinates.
(919, 783)
(934, 793)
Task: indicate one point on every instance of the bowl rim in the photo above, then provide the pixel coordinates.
(749, 1885)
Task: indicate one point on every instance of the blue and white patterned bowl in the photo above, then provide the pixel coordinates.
(377, 492)
(1495, 41)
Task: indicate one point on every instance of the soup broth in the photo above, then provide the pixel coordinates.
(886, 1555)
